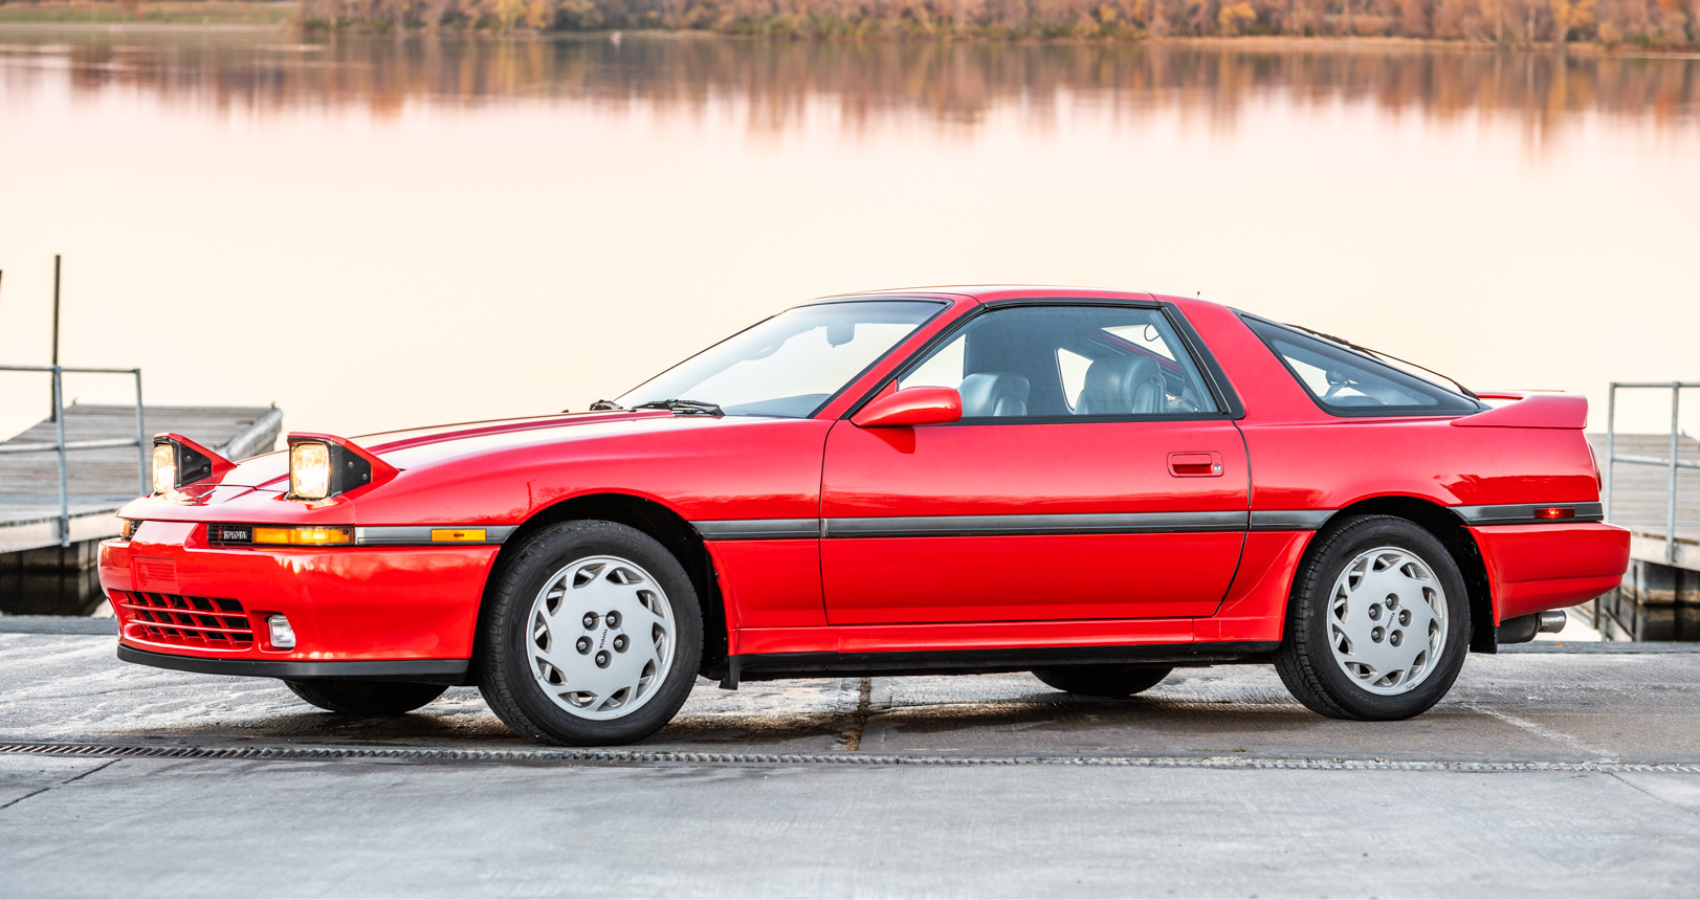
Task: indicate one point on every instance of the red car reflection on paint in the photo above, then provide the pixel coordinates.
(1095, 486)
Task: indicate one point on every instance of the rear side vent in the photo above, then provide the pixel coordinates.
(212, 623)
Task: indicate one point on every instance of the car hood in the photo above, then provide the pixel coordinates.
(424, 446)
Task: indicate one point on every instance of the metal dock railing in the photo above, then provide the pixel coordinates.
(61, 446)
(1673, 463)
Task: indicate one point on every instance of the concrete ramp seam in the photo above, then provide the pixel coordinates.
(653, 757)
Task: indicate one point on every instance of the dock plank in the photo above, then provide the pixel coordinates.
(1641, 495)
(102, 480)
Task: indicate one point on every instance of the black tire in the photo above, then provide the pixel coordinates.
(366, 698)
(1103, 680)
(504, 660)
(1306, 659)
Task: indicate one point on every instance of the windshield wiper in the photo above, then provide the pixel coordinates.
(684, 407)
(600, 405)
(1386, 356)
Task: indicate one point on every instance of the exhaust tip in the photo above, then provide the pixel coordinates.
(1522, 629)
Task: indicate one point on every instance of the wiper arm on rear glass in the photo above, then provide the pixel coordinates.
(601, 405)
(684, 407)
(1386, 356)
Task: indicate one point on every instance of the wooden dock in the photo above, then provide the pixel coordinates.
(1640, 496)
(1659, 599)
(100, 481)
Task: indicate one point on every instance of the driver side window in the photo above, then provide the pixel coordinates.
(1048, 362)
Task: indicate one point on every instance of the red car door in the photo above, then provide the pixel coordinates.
(1096, 474)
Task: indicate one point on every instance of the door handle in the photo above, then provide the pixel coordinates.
(1195, 464)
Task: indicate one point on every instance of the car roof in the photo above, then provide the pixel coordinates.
(987, 293)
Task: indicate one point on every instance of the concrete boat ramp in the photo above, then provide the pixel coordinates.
(1553, 770)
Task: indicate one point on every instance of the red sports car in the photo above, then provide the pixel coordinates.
(1096, 486)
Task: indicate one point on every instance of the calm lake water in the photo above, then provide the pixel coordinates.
(382, 233)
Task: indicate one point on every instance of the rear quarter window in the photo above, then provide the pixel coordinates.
(1347, 383)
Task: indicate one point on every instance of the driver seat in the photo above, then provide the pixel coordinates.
(1121, 386)
(994, 394)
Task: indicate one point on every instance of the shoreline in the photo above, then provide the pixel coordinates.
(1281, 43)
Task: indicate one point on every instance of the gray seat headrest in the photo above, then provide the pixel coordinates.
(993, 394)
(1121, 386)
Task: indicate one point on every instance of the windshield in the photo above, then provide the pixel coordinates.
(790, 364)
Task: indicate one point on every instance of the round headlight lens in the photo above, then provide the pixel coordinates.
(164, 468)
(309, 470)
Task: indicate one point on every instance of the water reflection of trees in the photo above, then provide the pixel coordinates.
(948, 83)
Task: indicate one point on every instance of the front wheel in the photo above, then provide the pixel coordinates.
(592, 636)
(1377, 624)
(366, 698)
(1103, 680)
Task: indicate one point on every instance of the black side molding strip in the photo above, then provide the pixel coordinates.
(758, 529)
(772, 666)
(427, 671)
(1290, 519)
(1524, 514)
(970, 526)
(1101, 523)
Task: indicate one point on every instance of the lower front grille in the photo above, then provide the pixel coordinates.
(213, 623)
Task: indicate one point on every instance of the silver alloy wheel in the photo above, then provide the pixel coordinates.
(1387, 620)
(601, 637)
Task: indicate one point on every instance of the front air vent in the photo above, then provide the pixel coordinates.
(211, 623)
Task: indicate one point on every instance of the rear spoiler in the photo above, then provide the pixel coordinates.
(1531, 411)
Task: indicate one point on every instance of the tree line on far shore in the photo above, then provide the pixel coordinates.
(1652, 24)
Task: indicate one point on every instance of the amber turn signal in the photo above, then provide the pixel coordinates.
(476, 535)
(304, 536)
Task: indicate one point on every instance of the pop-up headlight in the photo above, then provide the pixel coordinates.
(310, 470)
(321, 467)
(178, 461)
(164, 467)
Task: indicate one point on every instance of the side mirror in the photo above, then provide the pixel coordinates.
(915, 406)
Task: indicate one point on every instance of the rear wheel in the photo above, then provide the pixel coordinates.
(366, 698)
(1378, 622)
(592, 637)
(1103, 680)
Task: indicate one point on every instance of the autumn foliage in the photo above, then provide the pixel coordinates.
(1646, 23)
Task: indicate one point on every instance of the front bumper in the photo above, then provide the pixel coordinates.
(1533, 568)
(425, 671)
(177, 599)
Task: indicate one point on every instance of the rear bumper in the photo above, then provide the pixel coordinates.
(177, 598)
(1532, 568)
(427, 671)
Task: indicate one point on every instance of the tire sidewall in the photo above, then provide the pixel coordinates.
(1317, 581)
(509, 660)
